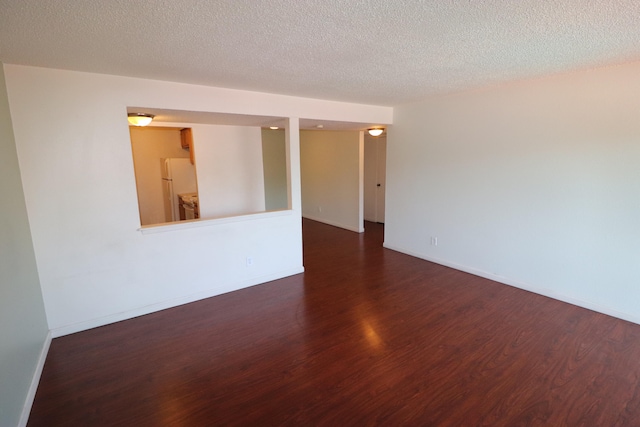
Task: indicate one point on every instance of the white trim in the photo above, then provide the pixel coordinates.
(521, 285)
(207, 222)
(31, 393)
(335, 224)
(141, 311)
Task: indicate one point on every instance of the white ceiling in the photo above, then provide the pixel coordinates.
(366, 51)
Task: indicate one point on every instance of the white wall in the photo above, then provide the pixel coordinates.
(534, 184)
(94, 264)
(274, 160)
(23, 325)
(229, 170)
(149, 145)
(332, 168)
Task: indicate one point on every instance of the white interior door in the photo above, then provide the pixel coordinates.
(370, 177)
(381, 175)
(375, 165)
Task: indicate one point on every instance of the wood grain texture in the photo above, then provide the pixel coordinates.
(365, 337)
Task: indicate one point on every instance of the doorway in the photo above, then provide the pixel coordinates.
(375, 166)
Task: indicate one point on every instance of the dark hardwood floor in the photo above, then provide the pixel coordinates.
(366, 336)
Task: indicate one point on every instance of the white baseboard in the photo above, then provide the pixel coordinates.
(334, 224)
(141, 311)
(31, 394)
(521, 285)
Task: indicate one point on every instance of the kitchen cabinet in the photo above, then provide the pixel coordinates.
(186, 141)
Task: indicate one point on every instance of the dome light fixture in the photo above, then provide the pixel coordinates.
(139, 119)
(375, 131)
(273, 127)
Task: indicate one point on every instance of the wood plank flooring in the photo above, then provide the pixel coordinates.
(365, 337)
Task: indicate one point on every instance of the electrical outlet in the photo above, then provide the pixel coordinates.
(249, 261)
(319, 208)
(434, 241)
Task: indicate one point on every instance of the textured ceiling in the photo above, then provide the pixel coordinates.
(368, 51)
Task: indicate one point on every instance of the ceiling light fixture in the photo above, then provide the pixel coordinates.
(375, 131)
(140, 119)
(273, 127)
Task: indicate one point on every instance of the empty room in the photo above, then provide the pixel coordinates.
(197, 231)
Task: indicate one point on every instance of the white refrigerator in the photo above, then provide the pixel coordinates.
(178, 177)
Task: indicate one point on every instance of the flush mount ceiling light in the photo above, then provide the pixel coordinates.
(139, 119)
(375, 131)
(273, 127)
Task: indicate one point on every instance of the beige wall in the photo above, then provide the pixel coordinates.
(229, 169)
(331, 164)
(274, 159)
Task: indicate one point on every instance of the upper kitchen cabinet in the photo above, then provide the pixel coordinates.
(186, 140)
